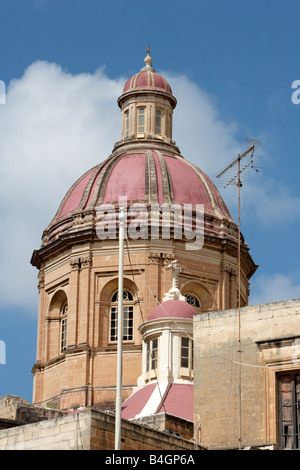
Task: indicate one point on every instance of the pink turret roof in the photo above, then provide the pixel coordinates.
(172, 309)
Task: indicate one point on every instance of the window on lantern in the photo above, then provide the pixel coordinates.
(127, 317)
(186, 356)
(126, 123)
(158, 115)
(63, 328)
(141, 121)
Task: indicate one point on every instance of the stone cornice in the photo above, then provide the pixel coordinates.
(127, 348)
(151, 143)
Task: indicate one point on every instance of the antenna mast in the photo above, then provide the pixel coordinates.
(236, 180)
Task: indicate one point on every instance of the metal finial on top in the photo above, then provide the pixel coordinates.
(148, 60)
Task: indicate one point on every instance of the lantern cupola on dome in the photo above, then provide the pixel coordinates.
(147, 104)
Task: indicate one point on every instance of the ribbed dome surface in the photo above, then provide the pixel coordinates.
(148, 177)
(147, 79)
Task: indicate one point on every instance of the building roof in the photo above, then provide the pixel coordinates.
(178, 401)
(148, 177)
(145, 80)
(173, 180)
(148, 80)
(173, 309)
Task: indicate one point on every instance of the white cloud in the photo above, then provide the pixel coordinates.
(273, 288)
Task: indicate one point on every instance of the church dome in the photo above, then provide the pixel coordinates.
(145, 167)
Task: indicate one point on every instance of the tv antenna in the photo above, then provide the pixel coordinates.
(243, 162)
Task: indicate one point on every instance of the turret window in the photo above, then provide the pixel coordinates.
(186, 356)
(151, 358)
(151, 355)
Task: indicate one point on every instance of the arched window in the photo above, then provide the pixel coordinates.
(127, 316)
(63, 327)
(199, 296)
(57, 324)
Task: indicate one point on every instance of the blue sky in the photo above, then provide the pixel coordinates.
(231, 65)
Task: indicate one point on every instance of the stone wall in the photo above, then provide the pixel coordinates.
(235, 392)
(87, 430)
(21, 411)
(68, 433)
(163, 422)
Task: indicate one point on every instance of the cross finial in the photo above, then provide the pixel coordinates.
(176, 270)
(148, 59)
(174, 292)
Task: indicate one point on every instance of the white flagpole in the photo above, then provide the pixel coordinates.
(120, 333)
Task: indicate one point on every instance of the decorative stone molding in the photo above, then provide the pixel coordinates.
(167, 258)
(75, 264)
(156, 258)
(83, 218)
(81, 262)
(229, 269)
(45, 238)
(86, 261)
(41, 280)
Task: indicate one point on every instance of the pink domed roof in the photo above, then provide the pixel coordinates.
(147, 79)
(172, 309)
(149, 177)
